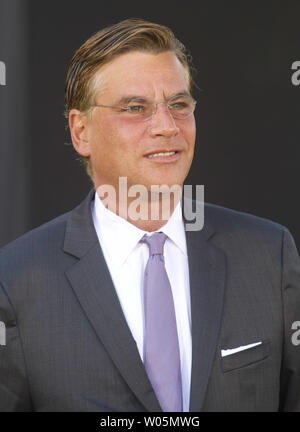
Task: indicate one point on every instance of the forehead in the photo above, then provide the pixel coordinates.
(142, 73)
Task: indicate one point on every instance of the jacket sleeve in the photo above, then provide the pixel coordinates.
(14, 391)
(290, 370)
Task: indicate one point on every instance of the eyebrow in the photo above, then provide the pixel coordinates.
(126, 99)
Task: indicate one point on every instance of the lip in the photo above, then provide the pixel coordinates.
(164, 159)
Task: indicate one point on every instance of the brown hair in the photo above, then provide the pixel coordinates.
(129, 35)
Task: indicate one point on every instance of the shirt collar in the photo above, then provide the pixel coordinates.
(120, 237)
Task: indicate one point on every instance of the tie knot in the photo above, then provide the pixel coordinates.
(155, 243)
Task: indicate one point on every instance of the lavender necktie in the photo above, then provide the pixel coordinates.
(161, 348)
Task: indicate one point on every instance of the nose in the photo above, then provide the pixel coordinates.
(162, 123)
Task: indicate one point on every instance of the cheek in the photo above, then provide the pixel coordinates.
(126, 137)
(193, 131)
(103, 139)
(116, 143)
(188, 131)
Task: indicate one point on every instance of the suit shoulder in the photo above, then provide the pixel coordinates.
(227, 219)
(35, 242)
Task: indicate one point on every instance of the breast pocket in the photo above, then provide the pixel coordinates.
(246, 357)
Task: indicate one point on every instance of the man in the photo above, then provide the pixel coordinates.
(108, 308)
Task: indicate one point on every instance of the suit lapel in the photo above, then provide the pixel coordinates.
(92, 284)
(207, 269)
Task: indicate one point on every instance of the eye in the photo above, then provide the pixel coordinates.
(136, 109)
(178, 105)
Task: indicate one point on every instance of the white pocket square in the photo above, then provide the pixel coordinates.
(230, 351)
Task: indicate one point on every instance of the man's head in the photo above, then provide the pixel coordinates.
(138, 60)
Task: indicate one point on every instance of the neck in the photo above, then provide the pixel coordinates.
(148, 212)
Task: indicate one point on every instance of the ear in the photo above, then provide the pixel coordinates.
(78, 124)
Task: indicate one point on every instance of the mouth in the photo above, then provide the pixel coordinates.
(163, 155)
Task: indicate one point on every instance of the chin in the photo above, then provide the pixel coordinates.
(161, 182)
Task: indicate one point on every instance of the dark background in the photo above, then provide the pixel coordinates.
(247, 150)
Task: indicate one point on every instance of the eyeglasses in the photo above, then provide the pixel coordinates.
(180, 107)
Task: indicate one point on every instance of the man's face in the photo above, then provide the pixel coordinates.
(119, 146)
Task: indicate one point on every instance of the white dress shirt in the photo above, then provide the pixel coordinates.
(126, 259)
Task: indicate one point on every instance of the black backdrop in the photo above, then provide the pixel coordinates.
(247, 152)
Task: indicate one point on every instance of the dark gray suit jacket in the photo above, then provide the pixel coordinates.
(68, 347)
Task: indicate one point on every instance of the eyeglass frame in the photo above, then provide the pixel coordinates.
(194, 102)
